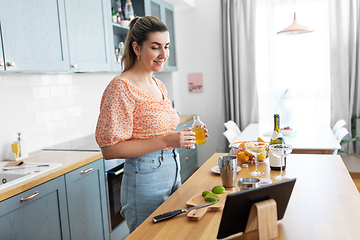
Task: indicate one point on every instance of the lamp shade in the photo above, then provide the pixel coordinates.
(295, 28)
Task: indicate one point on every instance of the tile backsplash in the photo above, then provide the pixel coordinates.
(48, 108)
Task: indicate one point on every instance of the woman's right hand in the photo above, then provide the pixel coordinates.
(181, 139)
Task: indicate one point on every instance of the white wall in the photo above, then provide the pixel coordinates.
(48, 109)
(198, 43)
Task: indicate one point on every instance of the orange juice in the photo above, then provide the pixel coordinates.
(200, 136)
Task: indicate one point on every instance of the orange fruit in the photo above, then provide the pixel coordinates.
(242, 157)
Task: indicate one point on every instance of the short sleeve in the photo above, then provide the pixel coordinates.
(115, 122)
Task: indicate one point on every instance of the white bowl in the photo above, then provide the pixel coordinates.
(125, 23)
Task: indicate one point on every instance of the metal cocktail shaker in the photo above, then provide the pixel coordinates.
(228, 170)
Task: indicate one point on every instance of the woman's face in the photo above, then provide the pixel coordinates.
(155, 51)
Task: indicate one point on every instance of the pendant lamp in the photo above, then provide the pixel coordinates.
(295, 28)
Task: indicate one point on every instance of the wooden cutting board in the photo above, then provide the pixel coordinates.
(197, 199)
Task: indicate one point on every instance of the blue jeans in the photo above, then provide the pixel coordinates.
(147, 182)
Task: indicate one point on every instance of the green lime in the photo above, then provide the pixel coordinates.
(218, 189)
(211, 197)
(204, 193)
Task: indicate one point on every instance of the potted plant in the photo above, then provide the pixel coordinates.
(356, 137)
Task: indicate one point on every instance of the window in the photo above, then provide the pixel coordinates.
(293, 71)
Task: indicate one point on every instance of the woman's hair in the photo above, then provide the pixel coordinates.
(140, 28)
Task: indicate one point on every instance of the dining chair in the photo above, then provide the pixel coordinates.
(233, 126)
(230, 135)
(340, 134)
(339, 124)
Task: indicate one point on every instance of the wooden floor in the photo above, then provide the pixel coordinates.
(356, 179)
(352, 162)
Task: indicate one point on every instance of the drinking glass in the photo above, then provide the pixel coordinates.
(281, 151)
(255, 148)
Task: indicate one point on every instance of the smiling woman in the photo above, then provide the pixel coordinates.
(137, 122)
(293, 71)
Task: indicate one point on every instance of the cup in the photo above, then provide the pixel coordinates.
(248, 183)
(228, 170)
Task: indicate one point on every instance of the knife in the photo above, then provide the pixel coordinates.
(171, 214)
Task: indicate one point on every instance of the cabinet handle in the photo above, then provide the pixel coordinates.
(74, 65)
(86, 171)
(185, 125)
(187, 158)
(1, 63)
(11, 64)
(30, 197)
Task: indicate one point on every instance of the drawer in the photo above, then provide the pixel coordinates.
(188, 161)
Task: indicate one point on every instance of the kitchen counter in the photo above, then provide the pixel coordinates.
(324, 203)
(70, 161)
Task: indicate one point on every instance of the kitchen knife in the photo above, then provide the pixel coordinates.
(171, 214)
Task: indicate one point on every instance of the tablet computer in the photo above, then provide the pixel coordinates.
(237, 206)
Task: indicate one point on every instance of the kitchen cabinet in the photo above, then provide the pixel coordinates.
(159, 8)
(42, 216)
(86, 198)
(188, 157)
(33, 36)
(72, 206)
(88, 28)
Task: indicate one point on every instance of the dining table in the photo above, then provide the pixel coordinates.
(324, 204)
(309, 139)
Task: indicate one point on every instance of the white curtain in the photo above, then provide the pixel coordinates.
(238, 28)
(293, 71)
(345, 64)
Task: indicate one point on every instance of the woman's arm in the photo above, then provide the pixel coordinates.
(131, 149)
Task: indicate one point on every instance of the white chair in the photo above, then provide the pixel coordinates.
(339, 124)
(340, 134)
(230, 135)
(233, 126)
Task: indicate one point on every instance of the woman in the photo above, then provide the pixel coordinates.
(137, 122)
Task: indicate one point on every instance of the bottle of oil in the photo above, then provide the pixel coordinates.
(276, 138)
(199, 130)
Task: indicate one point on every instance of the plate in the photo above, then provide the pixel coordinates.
(216, 169)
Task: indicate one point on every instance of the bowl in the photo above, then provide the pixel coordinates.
(234, 148)
(248, 183)
(125, 23)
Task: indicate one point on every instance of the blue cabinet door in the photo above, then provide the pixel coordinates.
(34, 35)
(86, 195)
(165, 12)
(42, 216)
(88, 25)
(168, 19)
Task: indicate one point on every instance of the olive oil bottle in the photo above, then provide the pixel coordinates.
(276, 138)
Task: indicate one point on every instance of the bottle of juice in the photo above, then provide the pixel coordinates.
(199, 130)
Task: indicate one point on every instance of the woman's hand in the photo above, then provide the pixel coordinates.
(181, 139)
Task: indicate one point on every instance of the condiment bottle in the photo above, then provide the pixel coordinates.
(199, 130)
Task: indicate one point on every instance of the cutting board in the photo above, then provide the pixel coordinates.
(197, 199)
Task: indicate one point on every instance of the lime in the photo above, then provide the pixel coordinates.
(218, 189)
(204, 193)
(211, 197)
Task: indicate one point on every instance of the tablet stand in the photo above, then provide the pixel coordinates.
(263, 217)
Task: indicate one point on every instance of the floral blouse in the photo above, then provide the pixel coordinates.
(129, 113)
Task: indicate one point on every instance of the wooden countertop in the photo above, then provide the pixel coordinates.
(70, 161)
(325, 203)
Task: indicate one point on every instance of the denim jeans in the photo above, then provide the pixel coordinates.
(147, 182)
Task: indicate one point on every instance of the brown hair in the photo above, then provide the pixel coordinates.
(139, 30)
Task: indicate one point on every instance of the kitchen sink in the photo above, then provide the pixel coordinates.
(16, 174)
